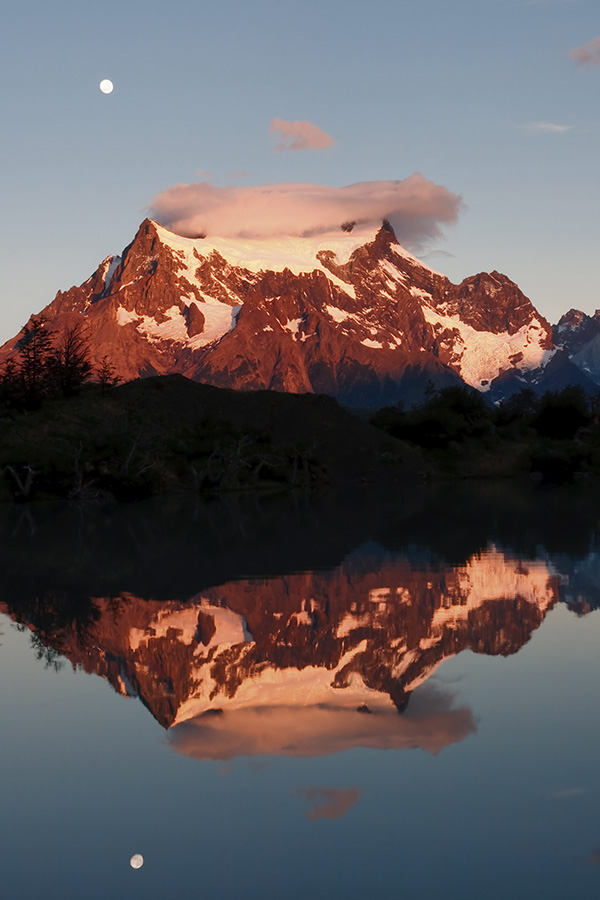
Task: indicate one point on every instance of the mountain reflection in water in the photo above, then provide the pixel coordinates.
(273, 633)
(301, 663)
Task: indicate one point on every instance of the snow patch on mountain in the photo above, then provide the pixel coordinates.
(393, 271)
(494, 575)
(298, 254)
(352, 622)
(219, 319)
(111, 263)
(229, 627)
(293, 327)
(420, 293)
(338, 315)
(342, 285)
(480, 356)
(310, 686)
(183, 622)
(399, 250)
(304, 617)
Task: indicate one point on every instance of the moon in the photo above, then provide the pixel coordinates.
(106, 86)
(136, 861)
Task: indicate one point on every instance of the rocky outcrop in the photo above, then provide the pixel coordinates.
(578, 335)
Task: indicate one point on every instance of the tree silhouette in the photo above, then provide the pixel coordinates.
(69, 363)
(562, 413)
(106, 374)
(34, 349)
(45, 367)
(10, 383)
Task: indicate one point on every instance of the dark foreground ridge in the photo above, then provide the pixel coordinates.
(169, 434)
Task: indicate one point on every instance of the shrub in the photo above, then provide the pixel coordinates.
(562, 413)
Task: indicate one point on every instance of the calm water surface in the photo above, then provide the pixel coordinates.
(365, 695)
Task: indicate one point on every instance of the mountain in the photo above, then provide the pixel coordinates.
(352, 315)
(578, 335)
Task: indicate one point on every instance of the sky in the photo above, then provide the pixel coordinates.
(491, 106)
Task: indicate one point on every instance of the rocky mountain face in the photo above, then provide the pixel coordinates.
(314, 661)
(352, 315)
(578, 335)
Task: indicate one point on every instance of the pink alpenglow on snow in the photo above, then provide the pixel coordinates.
(415, 207)
(299, 136)
(588, 55)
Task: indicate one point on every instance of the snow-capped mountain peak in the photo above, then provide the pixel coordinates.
(351, 313)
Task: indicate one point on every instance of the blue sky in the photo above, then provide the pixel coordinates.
(448, 89)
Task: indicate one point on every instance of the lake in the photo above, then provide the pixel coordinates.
(370, 693)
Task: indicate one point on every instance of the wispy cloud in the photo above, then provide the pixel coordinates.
(236, 175)
(560, 793)
(329, 803)
(415, 207)
(595, 857)
(547, 128)
(549, 2)
(588, 55)
(433, 254)
(299, 136)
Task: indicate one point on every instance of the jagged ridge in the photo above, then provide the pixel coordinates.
(352, 315)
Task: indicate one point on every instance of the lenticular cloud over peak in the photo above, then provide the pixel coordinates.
(415, 207)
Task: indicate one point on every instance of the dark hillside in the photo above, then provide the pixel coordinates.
(163, 434)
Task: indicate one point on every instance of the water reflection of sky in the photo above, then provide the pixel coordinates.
(488, 786)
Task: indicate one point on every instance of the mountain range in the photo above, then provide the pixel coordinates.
(352, 315)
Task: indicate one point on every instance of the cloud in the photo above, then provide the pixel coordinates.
(549, 2)
(547, 128)
(329, 803)
(236, 175)
(595, 857)
(299, 136)
(431, 722)
(567, 792)
(415, 207)
(432, 255)
(588, 55)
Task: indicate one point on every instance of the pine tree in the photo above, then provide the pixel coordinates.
(11, 387)
(34, 349)
(106, 374)
(69, 363)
